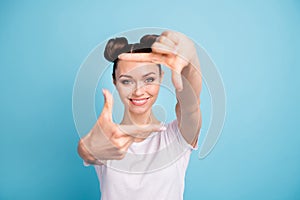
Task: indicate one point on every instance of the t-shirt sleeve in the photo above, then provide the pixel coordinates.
(173, 126)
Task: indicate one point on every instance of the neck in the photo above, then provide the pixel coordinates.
(139, 119)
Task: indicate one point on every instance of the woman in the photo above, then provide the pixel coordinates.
(137, 76)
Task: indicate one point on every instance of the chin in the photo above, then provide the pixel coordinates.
(139, 110)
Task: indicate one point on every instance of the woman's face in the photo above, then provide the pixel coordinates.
(138, 85)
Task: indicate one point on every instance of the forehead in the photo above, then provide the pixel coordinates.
(136, 68)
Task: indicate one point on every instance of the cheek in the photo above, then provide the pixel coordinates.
(124, 91)
(153, 89)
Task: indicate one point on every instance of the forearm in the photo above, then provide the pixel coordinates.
(189, 97)
(192, 75)
(188, 106)
(84, 153)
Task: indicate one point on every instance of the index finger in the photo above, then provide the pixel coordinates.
(141, 57)
(140, 130)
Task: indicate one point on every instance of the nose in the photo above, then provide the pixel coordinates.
(139, 90)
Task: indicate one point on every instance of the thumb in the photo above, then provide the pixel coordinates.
(108, 102)
(177, 80)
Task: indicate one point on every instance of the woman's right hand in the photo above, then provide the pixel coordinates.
(110, 141)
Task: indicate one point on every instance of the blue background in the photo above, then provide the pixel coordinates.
(255, 46)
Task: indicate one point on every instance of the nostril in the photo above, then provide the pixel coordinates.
(139, 91)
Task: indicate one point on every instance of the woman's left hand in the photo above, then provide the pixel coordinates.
(172, 49)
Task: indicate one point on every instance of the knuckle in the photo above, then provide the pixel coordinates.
(161, 39)
(124, 148)
(119, 144)
(116, 134)
(105, 117)
(166, 33)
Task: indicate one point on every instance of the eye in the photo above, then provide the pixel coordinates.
(126, 82)
(149, 80)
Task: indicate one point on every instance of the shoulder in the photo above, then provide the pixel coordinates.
(173, 132)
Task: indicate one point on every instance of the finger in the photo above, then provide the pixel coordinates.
(121, 143)
(166, 41)
(163, 49)
(127, 145)
(136, 130)
(98, 162)
(138, 57)
(108, 102)
(144, 57)
(171, 35)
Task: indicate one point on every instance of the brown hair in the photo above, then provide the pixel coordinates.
(117, 46)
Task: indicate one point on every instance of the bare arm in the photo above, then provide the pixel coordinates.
(188, 104)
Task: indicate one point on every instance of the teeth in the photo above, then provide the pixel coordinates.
(139, 101)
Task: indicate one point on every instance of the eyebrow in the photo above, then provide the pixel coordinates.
(128, 76)
(148, 74)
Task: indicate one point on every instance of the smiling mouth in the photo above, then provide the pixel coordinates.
(139, 102)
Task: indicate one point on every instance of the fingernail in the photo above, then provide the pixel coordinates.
(121, 56)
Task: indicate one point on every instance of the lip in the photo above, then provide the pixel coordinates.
(139, 101)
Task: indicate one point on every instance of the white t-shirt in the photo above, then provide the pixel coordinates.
(152, 169)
